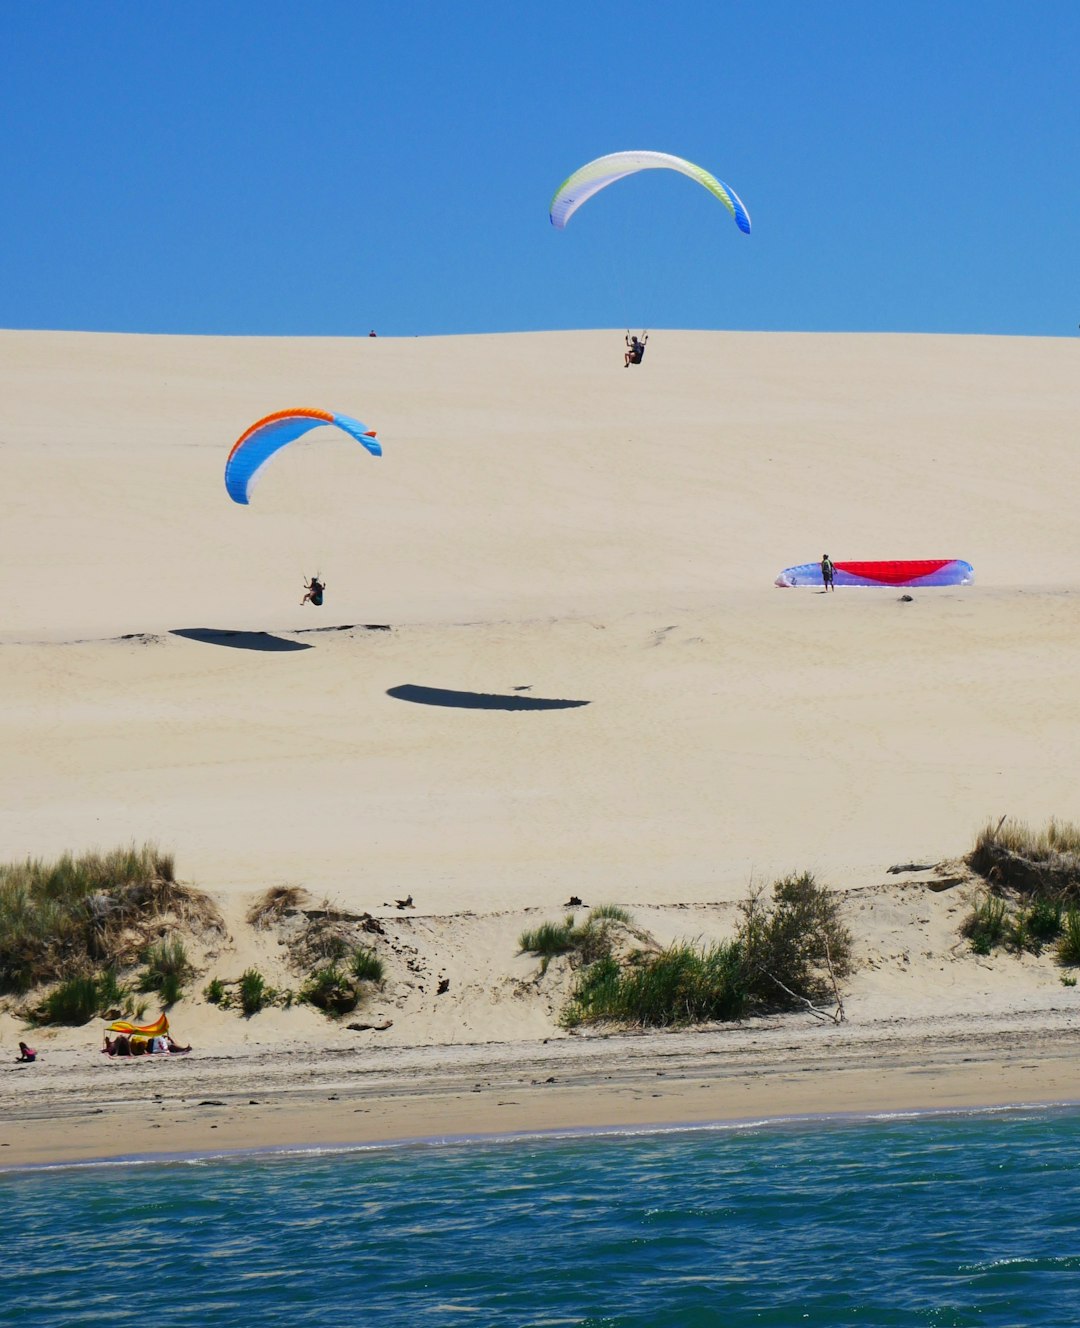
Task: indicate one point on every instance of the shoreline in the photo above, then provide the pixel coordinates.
(263, 1104)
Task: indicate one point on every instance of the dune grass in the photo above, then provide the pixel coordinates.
(681, 985)
(167, 969)
(63, 919)
(1037, 844)
(611, 913)
(1068, 950)
(1042, 861)
(330, 990)
(788, 952)
(365, 965)
(1033, 887)
(274, 904)
(254, 993)
(588, 942)
(338, 990)
(987, 925)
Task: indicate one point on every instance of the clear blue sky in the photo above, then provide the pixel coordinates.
(323, 168)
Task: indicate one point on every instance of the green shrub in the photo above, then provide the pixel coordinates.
(329, 989)
(1068, 951)
(793, 943)
(681, 985)
(214, 991)
(1044, 920)
(787, 950)
(365, 965)
(1067, 980)
(255, 995)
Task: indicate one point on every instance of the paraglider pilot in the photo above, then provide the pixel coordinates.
(314, 592)
(635, 349)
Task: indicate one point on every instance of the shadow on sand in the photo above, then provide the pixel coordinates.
(215, 636)
(443, 696)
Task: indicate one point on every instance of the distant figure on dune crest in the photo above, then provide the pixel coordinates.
(828, 572)
(314, 592)
(26, 1053)
(636, 349)
(371, 333)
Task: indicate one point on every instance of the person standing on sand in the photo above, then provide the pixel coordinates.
(828, 572)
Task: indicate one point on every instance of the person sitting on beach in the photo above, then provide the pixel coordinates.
(636, 351)
(119, 1046)
(314, 592)
(26, 1053)
(173, 1046)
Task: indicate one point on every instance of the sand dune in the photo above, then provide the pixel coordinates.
(541, 519)
(552, 659)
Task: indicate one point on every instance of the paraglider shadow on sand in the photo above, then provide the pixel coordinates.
(444, 696)
(236, 640)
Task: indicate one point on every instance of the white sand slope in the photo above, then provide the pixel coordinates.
(545, 520)
(552, 661)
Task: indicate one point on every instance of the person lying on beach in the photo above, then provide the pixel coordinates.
(26, 1053)
(314, 591)
(124, 1045)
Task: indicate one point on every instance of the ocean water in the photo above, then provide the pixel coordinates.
(936, 1220)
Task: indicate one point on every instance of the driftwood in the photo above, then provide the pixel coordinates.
(911, 867)
(836, 1017)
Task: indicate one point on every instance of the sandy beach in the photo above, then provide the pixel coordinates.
(552, 662)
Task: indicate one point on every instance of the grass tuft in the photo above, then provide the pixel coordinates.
(1068, 949)
(255, 995)
(611, 913)
(987, 925)
(366, 966)
(167, 969)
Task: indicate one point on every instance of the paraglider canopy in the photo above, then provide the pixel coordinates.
(596, 175)
(258, 443)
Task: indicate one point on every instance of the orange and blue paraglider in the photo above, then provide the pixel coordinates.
(257, 444)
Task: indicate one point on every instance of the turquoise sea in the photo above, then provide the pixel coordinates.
(936, 1220)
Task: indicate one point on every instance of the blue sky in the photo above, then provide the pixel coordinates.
(323, 168)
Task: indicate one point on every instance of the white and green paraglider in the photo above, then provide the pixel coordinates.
(598, 174)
